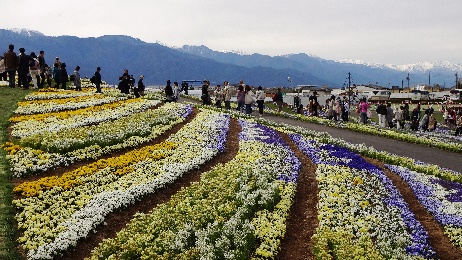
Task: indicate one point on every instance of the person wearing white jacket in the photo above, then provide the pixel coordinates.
(249, 99)
(261, 95)
(34, 69)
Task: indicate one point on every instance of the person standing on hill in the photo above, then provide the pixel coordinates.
(141, 86)
(77, 83)
(56, 74)
(11, 65)
(98, 80)
(41, 59)
(23, 69)
(63, 77)
(34, 69)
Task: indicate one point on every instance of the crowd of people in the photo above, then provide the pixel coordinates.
(30, 68)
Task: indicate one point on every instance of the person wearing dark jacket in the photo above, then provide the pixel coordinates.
(11, 65)
(124, 84)
(63, 77)
(139, 89)
(98, 80)
(382, 113)
(23, 69)
(168, 92)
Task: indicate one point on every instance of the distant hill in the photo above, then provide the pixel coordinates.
(158, 63)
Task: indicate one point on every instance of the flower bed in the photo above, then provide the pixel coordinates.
(54, 122)
(356, 198)
(80, 143)
(233, 209)
(442, 198)
(53, 219)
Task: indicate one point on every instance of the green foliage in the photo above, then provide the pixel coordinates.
(9, 98)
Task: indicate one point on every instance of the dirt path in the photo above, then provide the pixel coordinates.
(303, 216)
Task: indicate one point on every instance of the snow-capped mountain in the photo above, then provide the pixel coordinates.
(416, 67)
(26, 32)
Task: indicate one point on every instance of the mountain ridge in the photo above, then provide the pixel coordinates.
(159, 62)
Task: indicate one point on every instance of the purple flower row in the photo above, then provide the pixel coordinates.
(429, 200)
(224, 128)
(268, 135)
(345, 157)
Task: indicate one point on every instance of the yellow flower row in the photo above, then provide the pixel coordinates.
(120, 165)
(67, 114)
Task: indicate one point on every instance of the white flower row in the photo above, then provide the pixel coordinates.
(32, 107)
(54, 124)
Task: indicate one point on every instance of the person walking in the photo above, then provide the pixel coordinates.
(260, 94)
(98, 80)
(23, 69)
(77, 82)
(11, 65)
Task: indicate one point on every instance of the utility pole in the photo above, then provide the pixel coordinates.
(407, 78)
(457, 81)
(402, 86)
(349, 88)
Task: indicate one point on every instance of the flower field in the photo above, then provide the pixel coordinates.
(79, 160)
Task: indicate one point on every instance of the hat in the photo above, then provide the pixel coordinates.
(22, 50)
(98, 68)
(141, 76)
(32, 54)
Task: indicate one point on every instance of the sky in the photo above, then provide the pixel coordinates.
(375, 31)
